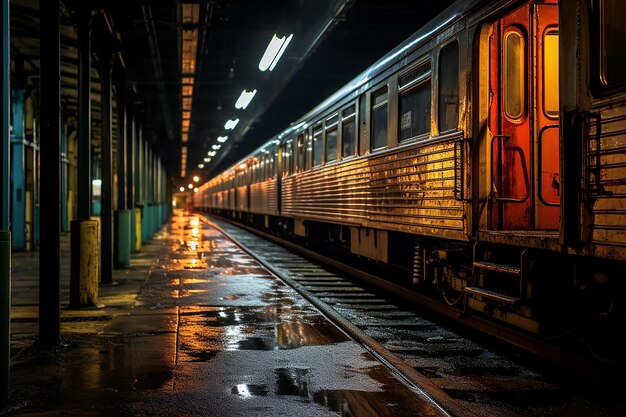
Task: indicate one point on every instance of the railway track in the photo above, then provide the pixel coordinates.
(461, 374)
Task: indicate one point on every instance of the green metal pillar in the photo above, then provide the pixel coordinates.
(5, 182)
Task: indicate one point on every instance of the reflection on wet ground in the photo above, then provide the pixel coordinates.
(213, 333)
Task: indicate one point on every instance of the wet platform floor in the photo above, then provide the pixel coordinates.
(210, 333)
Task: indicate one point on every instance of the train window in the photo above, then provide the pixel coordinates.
(551, 74)
(331, 144)
(348, 133)
(317, 144)
(414, 111)
(331, 138)
(309, 150)
(612, 34)
(287, 159)
(379, 119)
(449, 87)
(301, 149)
(514, 72)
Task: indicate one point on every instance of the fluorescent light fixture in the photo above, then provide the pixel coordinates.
(222, 139)
(200, 166)
(274, 51)
(212, 153)
(244, 99)
(216, 147)
(230, 124)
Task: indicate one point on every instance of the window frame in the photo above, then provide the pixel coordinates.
(351, 117)
(458, 85)
(420, 80)
(523, 71)
(374, 106)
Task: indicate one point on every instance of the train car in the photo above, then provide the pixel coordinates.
(486, 154)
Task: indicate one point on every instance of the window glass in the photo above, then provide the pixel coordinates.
(301, 145)
(449, 87)
(331, 144)
(348, 137)
(309, 150)
(379, 119)
(317, 149)
(415, 111)
(551, 74)
(287, 159)
(613, 33)
(514, 99)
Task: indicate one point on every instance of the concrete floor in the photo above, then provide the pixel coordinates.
(195, 328)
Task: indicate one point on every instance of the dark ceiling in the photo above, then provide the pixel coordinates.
(333, 41)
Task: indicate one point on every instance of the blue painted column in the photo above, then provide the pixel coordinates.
(5, 181)
(18, 200)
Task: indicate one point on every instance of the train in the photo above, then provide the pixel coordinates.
(485, 155)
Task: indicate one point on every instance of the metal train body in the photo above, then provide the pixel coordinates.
(487, 153)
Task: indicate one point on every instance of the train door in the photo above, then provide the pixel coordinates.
(523, 119)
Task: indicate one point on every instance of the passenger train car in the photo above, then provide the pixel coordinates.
(487, 153)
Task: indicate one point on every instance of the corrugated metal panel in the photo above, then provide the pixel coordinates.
(606, 166)
(240, 194)
(409, 189)
(264, 197)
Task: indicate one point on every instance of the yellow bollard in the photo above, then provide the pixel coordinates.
(84, 271)
(137, 230)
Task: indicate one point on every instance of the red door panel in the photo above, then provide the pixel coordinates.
(523, 119)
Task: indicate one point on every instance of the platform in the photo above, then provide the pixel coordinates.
(195, 327)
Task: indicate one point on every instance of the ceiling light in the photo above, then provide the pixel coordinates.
(190, 186)
(182, 189)
(207, 160)
(222, 139)
(195, 190)
(196, 178)
(200, 166)
(212, 153)
(244, 99)
(216, 147)
(230, 124)
(274, 51)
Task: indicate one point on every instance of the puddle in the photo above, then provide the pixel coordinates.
(249, 390)
(292, 381)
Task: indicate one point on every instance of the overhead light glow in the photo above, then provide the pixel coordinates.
(244, 99)
(216, 147)
(196, 178)
(195, 190)
(230, 124)
(212, 153)
(200, 166)
(207, 160)
(222, 139)
(190, 186)
(182, 189)
(274, 51)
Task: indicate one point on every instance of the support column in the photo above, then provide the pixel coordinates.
(18, 201)
(64, 178)
(130, 175)
(5, 182)
(50, 165)
(138, 186)
(106, 218)
(122, 215)
(84, 231)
